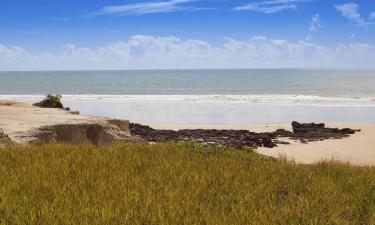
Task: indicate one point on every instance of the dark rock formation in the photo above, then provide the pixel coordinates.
(75, 112)
(229, 138)
(242, 138)
(103, 132)
(307, 132)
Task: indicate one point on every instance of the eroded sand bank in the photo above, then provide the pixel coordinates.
(21, 122)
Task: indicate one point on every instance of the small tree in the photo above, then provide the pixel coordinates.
(50, 101)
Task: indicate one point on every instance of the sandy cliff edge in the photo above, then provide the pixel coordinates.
(24, 123)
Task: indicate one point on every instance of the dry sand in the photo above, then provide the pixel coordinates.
(18, 119)
(358, 149)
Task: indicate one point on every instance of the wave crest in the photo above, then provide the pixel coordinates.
(277, 99)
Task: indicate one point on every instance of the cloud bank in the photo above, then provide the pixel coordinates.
(150, 52)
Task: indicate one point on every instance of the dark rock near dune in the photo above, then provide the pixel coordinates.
(307, 132)
(348, 131)
(304, 132)
(307, 125)
(282, 133)
(208, 137)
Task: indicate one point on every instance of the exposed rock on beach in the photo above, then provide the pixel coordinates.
(242, 138)
(23, 124)
(209, 137)
(308, 132)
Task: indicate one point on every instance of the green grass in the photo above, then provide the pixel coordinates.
(177, 184)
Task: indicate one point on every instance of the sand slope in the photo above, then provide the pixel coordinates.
(18, 119)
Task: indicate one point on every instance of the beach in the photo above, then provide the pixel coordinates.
(358, 149)
(257, 100)
(232, 96)
(187, 112)
(19, 119)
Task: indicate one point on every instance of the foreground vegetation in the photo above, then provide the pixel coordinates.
(176, 184)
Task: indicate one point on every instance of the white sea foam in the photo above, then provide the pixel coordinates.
(275, 99)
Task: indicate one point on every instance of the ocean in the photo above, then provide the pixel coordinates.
(256, 96)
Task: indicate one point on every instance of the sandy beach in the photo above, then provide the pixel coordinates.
(358, 149)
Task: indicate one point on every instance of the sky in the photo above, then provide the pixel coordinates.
(186, 34)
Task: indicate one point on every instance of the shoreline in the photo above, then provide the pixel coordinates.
(149, 111)
(17, 119)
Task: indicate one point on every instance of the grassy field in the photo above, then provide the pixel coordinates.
(177, 184)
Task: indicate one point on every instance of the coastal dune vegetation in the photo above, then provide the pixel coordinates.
(177, 183)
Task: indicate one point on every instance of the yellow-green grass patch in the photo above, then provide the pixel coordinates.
(177, 184)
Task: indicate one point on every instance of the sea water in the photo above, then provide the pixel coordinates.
(257, 96)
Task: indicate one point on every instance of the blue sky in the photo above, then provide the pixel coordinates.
(52, 29)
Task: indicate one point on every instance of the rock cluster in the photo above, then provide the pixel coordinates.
(241, 138)
(103, 132)
(210, 137)
(307, 132)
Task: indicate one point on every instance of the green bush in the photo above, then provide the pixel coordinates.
(50, 101)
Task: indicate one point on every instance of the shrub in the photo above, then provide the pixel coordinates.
(50, 101)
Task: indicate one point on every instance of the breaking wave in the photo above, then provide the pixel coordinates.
(276, 99)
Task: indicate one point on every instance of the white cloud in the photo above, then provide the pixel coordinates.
(315, 23)
(147, 7)
(372, 16)
(350, 11)
(12, 55)
(149, 52)
(272, 6)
